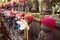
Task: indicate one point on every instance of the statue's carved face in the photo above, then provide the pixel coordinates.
(45, 27)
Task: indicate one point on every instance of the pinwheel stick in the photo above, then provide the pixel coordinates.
(26, 31)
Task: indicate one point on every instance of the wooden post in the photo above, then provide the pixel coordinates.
(53, 11)
(40, 5)
(6, 1)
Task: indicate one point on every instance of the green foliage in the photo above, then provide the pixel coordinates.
(55, 1)
(9, 0)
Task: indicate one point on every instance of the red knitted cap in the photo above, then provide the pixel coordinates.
(29, 17)
(50, 22)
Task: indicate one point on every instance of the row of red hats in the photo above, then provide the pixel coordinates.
(11, 3)
(22, 0)
(48, 21)
(28, 17)
(14, 3)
